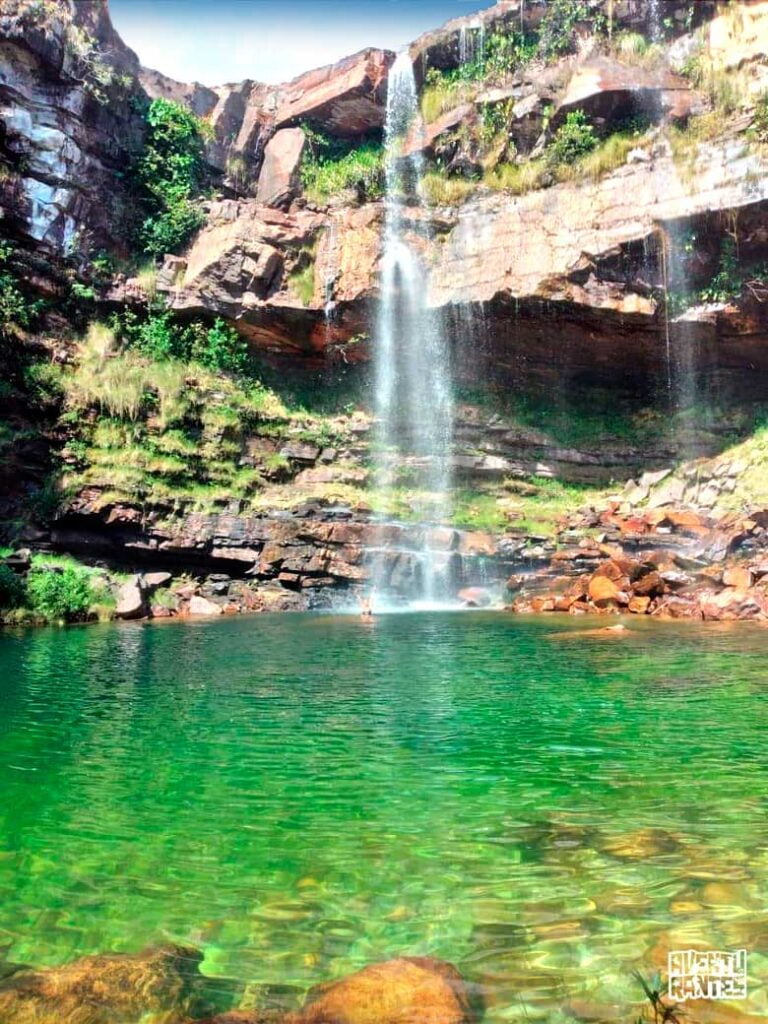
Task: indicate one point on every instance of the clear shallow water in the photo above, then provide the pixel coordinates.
(301, 795)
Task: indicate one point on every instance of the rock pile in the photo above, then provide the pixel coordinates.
(673, 563)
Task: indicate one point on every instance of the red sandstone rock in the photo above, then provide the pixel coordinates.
(408, 990)
(279, 177)
(639, 605)
(105, 989)
(676, 608)
(650, 585)
(738, 576)
(603, 591)
(347, 98)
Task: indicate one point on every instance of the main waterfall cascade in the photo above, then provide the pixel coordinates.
(413, 394)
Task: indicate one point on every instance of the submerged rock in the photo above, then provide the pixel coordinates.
(105, 989)
(641, 844)
(407, 990)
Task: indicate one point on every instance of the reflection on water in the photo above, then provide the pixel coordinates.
(301, 795)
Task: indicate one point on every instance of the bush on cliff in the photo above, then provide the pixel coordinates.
(17, 312)
(170, 175)
(58, 594)
(159, 336)
(11, 589)
(331, 166)
(573, 139)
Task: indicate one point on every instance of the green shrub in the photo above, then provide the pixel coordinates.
(758, 130)
(43, 380)
(160, 337)
(221, 348)
(11, 588)
(330, 166)
(505, 52)
(573, 139)
(557, 33)
(58, 594)
(170, 175)
(16, 311)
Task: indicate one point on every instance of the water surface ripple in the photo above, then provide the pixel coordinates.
(301, 795)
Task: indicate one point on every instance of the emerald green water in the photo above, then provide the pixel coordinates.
(301, 795)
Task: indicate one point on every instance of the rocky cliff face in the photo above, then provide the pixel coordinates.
(588, 251)
(66, 125)
(631, 274)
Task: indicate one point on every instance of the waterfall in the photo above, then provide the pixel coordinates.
(471, 43)
(654, 21)
(413, 401)
(329, 282)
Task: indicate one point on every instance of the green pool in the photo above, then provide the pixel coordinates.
(300, 795)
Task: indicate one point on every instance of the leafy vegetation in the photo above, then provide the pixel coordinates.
(17, 312)
(558, 27)
(160, 336)
(758, 130)
(440, 189)
(573, 139)
(12, 590)
(535, 510)
(331, 166)
(169, 174)
(59, 594)
(147, 425)
(730, 281)
(503, 53)
(302, 276)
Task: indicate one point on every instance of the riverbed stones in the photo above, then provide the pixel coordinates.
(406, 990)
(105, 989)
(641, 844)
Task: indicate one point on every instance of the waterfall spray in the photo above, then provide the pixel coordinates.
(413, 401)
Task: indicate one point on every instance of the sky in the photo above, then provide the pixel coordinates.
(219, 41)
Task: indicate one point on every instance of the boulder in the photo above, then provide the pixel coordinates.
(153, 580)
(641, 844)
(731, 603)
(202, 606)
(477, 542)
(131, 600)
(639, 605)
(407, 990)
(105, 989)
(279, 177)
(650, 585)
(20, 560)
(738, 576)
(606, 89)
(475, 597)
(347, 99)
(603, 591)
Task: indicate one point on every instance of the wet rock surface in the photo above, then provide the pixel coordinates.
(105, 989)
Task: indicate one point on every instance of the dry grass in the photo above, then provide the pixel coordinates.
(146, 279)
(445, 95)
(634, 49)
(440, 190)
(517, 179)
(609, 156)
(686, 142)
